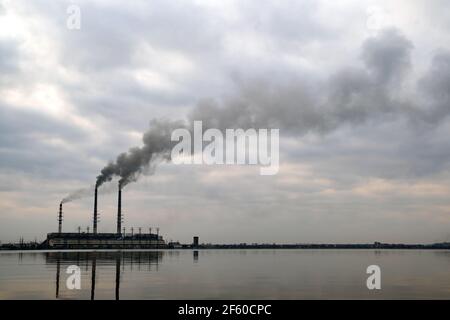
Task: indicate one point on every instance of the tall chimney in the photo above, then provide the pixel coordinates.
(119, 211)
(95, 211)
(60, 218)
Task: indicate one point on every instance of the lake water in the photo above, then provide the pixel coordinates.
(226, 274)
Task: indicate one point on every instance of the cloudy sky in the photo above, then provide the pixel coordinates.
(360, 91)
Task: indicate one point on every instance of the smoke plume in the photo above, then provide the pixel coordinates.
(87, 192)
(350, 97)
(78, 194)
(130, 165)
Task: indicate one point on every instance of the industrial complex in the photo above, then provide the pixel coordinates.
(95, 240)
(138, 240)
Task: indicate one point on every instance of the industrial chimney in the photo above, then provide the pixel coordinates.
(119, 211)
(95, 211)
(60, 218)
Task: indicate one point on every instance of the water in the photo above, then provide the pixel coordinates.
(226, 274)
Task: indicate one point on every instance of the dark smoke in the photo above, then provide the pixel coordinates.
(350, 97)
(78, 194)
(138, 160)
(88, 192)
(297, 106)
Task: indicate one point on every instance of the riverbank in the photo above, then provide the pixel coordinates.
(376, 245)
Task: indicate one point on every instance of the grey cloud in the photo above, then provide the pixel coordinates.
(110, 34)
(127, 103)
(297, 27)
(436, 87)
(388, 56)
(22, 135)
(9, 58)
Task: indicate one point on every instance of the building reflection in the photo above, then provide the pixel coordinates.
(120, 259)
(195, 255)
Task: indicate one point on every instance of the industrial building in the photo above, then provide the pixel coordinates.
(95, 240)
(104, 241)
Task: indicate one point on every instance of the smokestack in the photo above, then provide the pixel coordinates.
(195, 242)
(95, 211)
(119, 210)
(60, 218)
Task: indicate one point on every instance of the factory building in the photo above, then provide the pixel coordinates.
(104, 241)
(95, 240)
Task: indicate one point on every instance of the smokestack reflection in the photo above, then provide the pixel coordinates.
(118, 260)
(58, 270)
(122, 261)
(94, 267)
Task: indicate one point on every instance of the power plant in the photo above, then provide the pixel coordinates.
(95, 240)
(138, 240)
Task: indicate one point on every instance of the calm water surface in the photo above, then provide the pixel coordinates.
(226, 274)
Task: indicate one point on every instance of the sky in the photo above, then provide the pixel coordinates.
(360, 91)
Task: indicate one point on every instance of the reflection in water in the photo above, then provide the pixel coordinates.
(118, 258)
(58, 267)
(104, 258)
(94, 267)
(222, 274)
(195, 255)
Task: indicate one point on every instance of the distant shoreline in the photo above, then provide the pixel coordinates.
(377, 246)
